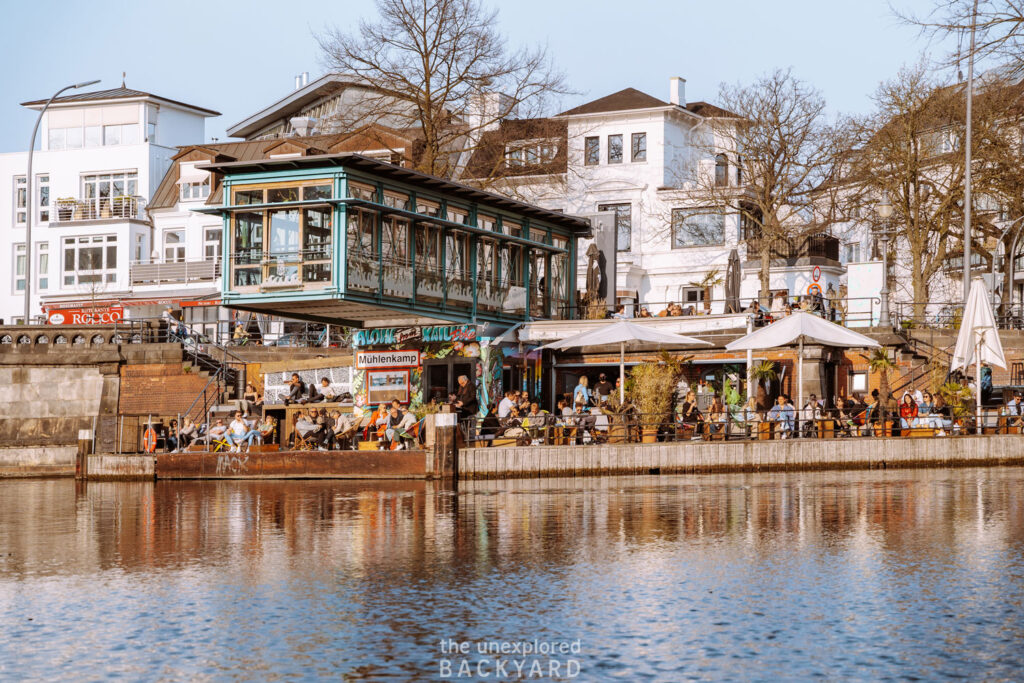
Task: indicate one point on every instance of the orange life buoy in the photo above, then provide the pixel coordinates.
(149, 440)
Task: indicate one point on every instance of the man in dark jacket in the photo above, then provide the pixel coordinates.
(465, 398)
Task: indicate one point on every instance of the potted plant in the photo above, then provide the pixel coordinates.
(65, 208)
(652, 391)
(958, 397)
(764, 374)
(880, 362)
(711, 279)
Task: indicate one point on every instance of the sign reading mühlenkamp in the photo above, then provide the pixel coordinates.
(387, 359)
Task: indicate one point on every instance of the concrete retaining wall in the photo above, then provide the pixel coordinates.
(121, 467)
(748, 456)
(38, 461)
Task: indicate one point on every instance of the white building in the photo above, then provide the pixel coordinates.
(101, 156)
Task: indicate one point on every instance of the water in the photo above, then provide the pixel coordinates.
(857, 575)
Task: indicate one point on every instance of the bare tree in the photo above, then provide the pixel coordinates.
(440, 67)
(912, 151)
(783, 150)
(998, 25)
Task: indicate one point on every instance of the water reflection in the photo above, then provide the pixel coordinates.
(861, 574)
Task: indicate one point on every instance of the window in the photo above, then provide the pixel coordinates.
(858, 382)
(851, 252)
(199, 190)
(174, 246)
(530, 153)
(139, 243)
(74, 138)
(693, 295)
(623, 224)
(43, 268)
(151, 132)
(246, 197)
(19, 268)
(639, 147)
(57, 139)
(20, 194)
(739, 171)
(592, 151)
(90, 260)
(721, 171)
(276, 195)
(93, 136)
(43, 194)
(697, 228)
(99, 189)
(111, 135)
(211, 243)
(614, 149)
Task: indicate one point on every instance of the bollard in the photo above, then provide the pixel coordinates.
(446, 461)
(84, 451)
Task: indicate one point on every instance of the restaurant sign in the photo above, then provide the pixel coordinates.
(101, 315)
(401, 335)
(387, 359)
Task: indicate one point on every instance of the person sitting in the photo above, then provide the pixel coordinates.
(749, 416)
(512, 426)
(690, 415)
(241, 335)
(716, 416)
(1015, 411)
(944, 415)
(267, 428)
(644, 313)
(341, 429)
(173, 436)
(490, 425)
(327, 392)
(506, 404)
(535, 421)
(296, 390)
(389, 423)
(809, 416)
(217, 431)
(187, 434)
(601, 424)
(620, 312)
(239, 432)
(908, 411)
(250, 399)
(782, 415)
(305, 428)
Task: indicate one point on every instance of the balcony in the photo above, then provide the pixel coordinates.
(813, 247)
(178, 272)
(98, 209)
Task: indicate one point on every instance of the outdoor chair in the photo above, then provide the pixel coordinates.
(219, 443)
(303, 443)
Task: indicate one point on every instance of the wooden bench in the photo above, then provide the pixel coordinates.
(919, 432)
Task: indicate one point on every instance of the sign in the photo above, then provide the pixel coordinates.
(816, 273)
(383, 386)
(200, 302)
(814, 289)
(387, 359)
(385, 336)
(105, 315)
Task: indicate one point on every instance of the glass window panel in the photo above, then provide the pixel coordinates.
(639, 152)
(317, 234)
(592, 151)
(248, 197)
(74, 138)
(697, 227)
(614, 149)
(111, 257)
(623, 224)
(90, 258)
(93, 136)
(57, 138)
(284, 232)
(428, 208)
(316, 192)
(362, 191)
(276, 195)
(130, 134)
(111, 135)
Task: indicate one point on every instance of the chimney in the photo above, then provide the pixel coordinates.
(677, 91)
(298, 82)
(305, 78)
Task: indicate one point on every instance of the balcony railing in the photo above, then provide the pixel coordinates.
(100, 208)
(819, 246)
(176, 272)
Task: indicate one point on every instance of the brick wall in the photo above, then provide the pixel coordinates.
(159, 389)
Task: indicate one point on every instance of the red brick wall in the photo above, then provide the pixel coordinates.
(158, 389)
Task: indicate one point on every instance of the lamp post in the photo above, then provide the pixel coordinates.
(30, 205)
(884, 211)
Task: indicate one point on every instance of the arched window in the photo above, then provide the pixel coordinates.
(97, 339)
(24, 339)
(721, 171)
(60, 339)
(42, 339)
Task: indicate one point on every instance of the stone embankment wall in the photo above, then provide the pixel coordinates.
(749, 456)
(37, 461)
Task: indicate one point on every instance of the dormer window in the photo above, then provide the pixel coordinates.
(530, 153)
(194, 184)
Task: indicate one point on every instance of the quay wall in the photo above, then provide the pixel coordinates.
(747, 456)
(37, 461)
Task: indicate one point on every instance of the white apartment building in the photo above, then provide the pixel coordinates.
(101, 156)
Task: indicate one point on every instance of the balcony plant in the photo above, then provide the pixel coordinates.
(65, 208)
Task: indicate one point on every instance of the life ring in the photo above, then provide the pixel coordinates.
(149, 440)
(814, 289)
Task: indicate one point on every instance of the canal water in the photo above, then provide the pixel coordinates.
(839, 575)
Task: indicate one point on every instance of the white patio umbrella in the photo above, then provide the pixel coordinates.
(795, 329)
(623, 332)
(978, 339)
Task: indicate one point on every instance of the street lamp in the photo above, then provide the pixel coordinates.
(884, 211)
(29, 205)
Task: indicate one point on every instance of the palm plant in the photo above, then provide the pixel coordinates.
(763, 373)
(880, 362)
(713, 278)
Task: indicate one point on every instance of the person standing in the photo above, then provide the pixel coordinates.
(581, 394)
(465, 398)
(603, 388)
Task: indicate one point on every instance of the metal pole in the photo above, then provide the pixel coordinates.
(622, 372)
(750, 361)
(883, 311)
(977, 384)
(30, 205)
(967, 158)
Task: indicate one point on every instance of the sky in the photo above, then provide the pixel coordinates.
(238, 57)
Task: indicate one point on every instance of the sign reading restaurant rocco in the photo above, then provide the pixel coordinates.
(400, 335)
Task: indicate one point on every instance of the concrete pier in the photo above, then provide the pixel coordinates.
(746, 456)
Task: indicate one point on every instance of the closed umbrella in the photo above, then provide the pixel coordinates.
(732, 283)
(795, 329)
(978, 339)
(623, 332)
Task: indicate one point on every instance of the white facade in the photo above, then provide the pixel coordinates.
(99, 161)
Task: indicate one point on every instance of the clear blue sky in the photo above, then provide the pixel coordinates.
(237, 57)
